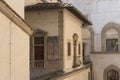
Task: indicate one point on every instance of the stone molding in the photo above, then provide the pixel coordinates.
(103, 52)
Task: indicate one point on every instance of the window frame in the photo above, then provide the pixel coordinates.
(111, 43)
(111, 72)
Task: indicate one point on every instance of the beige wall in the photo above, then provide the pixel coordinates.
(80, 75)
(83, 75)
(72, 25)
(14, 49)
(87, 40)
(46, 20)
(86, 33)
(17, 6)
(102, 61)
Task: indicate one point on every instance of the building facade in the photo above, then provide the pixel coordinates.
(105, 43)
(56, 43)
(14, 40)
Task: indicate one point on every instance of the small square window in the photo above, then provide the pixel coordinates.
(69, 48)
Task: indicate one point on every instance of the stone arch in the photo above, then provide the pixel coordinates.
(110, 67)
(110, 25)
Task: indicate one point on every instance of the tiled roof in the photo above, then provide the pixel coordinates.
(45, 6)
(69, 7)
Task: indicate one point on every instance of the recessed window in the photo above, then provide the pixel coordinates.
(112, 75)
(110, 37)
(112, 45)
(38, 51)
(69, 48)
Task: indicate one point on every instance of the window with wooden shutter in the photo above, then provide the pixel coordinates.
(38, 51)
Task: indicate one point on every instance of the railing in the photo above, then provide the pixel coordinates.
(77, 61)
(86, 59)
(37, 64)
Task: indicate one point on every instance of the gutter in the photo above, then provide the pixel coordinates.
(14, 17)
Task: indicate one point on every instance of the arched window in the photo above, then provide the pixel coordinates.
(112, 75)
(111, 72)
(76, 58)
(110, 37)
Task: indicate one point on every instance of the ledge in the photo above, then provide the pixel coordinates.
(103, 52)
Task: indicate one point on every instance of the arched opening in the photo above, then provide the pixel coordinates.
(112, 75)
(76, 59)
(110, 37)
(112, 72)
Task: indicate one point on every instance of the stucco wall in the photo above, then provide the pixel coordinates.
(17, 6)
(81, 75)
(46, 20)
(72, 25)
(102, 61)
(14, 49)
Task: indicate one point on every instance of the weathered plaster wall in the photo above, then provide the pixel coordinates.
(14, 49)
(72, 25)
(46, 20)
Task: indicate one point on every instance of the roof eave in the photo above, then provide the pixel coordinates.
(76, 12)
